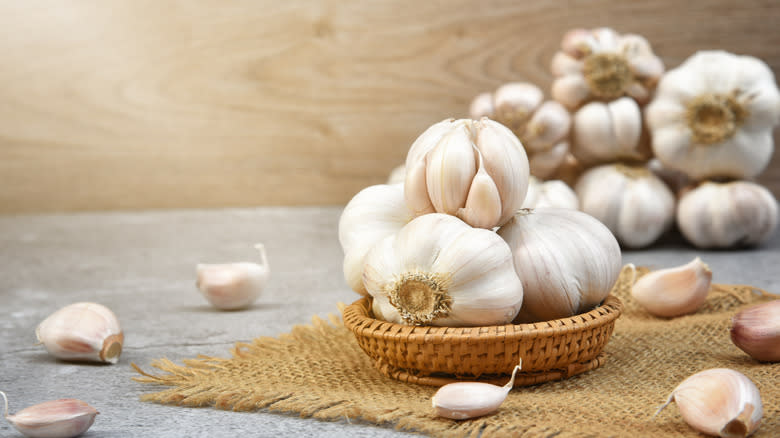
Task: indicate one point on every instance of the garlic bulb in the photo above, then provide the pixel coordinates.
(63, 418)
(462, 400)
(373, 214)
(567, 261)
(231, 286)
(632, 202)
(542, 127)
(601, 64)
(713, 116)
(475, 170)
(554, 193)
(82, 331)
(609, 132)
(674, 291)
(723, 215)
(756, 331)
(439, 271)
(719, 402)
(397, 175)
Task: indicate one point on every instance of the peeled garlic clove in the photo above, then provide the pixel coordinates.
(462, 400)
(719, 402)
(674, 291)
(82, 331)
(230, 286)
(62, 418)
(482, 106)
(756, 331)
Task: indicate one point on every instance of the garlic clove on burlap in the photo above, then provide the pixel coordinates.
(231, 286)
(437, 270)
(567, 261)
(553, 193)
(756, 331)
(724, 215)
(443, 162)
(63, 418)
(719, 402)
(713, 116)
(632, 202)
(608, 132)
(463, 400)
(674, 291)
(82, 331)
(371, 215)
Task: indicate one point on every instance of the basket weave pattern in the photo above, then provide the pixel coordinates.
(549, 350)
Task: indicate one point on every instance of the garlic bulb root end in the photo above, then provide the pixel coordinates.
(420, 297)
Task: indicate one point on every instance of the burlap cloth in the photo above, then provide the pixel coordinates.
(319, 371)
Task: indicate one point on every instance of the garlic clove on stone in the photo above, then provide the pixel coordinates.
(756, 331)
(463, 400)
(719, 402)
(82, 331)
(231, 286)
(555, 194)
(674, 291)
(724, 215)
(567, 261)
(482, 106)
(62, 418)
(546, 163)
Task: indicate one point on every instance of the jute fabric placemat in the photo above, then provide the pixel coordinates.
(319, 371)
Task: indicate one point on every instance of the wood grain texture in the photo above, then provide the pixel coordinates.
(129, 104)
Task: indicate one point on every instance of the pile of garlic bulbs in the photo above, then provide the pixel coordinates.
(644, 148)
(452, 246)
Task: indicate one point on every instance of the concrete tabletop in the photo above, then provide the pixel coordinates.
(142, 266)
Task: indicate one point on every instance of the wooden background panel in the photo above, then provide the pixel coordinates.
(130, 104)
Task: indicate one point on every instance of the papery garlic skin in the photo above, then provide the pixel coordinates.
(632, 202)
(476, 170)
(82, 331)
(608, 132)
(371, 215)
(437, 270)
(231, 286)
(713, 116)
(725, 215)
(600, 64)
(567, 261)
(756, 331)
(719, 402)
(555, 193)
(462, 400)
(64, 418)
(674, 291)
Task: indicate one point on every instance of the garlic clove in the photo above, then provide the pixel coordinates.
(231, 286)
(647, 67)
(544, 164)
(515, 102)
(463, 400)
(483, 203)
(82, 331)
(593, 136)
(451, 168)
(756, 331)
(548, 126)
(626, 126)
(564, 64)
(570, 90)
(674, 291)
(550, 194)
(578, 43)
(62, 418)
(482, 106)
(416, 188)
(719, 402)
(607, 39)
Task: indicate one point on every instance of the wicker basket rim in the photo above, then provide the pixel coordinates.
(357, 318)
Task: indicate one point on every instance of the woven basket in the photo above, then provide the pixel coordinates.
(550, 350)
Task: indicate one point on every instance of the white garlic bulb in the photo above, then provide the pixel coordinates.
(63, 418)
(567, 261)
(553, 193)
(713, 116)
(82, 331)
(231, 286)
(397, 175)
(462, 400)
(475, 170)
(373, 214)
(608, 132)
(632, 202)
(719, 402)
(600, 64)
(440, 271)
(723, 215)
(756, 331)
(674, 291)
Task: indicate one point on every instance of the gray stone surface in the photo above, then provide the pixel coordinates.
(142, 266)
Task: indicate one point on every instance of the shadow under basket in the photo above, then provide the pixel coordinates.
(550, 350)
